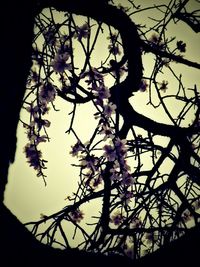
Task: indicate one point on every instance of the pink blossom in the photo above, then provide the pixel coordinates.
(110, 152)
(76, 216)
(76, 149)
(102, 92)
(33, 156)
(163, 86)
(47, 93)
(109, 109)
(33, 110)
(136, 222)
(181, 46)
(117, 218)
(114, 49)
(49, 35)
(128, 179)
(120, 146)
(90, 161)
(82, 32)
(59, 62)
(126, 196)
(143, 86)
(107, 131)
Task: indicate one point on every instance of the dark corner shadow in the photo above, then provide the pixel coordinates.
(20, 248)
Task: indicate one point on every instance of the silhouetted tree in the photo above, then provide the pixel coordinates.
(144, 206)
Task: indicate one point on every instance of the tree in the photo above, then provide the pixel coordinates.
(143, 206)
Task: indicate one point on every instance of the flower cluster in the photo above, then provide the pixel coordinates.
(96, 80)
(92, 180)
(89, 165)
(36, 129)
(33, 156)
(116, 150)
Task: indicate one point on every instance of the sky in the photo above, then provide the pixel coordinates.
(26, 195)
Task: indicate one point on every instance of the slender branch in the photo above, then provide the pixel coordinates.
(179, 59)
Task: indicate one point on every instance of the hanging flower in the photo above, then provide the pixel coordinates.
(112, 37)
(33, 156)
(151, 237)
(113, 47)
(115, 172)
(115, 176)
(154, 38)
(93, 76)
(42, 123)
(196, 204)
(64, 49)
(94, 182)
(36, 139)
